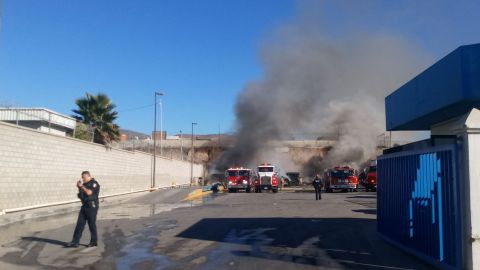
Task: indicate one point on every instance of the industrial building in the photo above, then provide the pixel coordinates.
(41, 119)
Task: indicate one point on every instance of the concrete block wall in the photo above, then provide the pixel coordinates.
(37, 168)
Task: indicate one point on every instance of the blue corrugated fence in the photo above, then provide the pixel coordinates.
(418, 203)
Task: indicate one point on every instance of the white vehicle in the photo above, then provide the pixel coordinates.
(267, 179)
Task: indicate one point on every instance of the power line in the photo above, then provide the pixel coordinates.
(137, 108)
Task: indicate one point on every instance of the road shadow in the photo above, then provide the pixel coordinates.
(339, 192)
(362, 197)
(351, 242)
(305, 191)
(44, 240)
(371, 211)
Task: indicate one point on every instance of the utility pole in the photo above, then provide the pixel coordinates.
(161, 94)
(135, 139)
(181, 145)
(155, 139)
(191, 158)
(390, 143)
(161, 124)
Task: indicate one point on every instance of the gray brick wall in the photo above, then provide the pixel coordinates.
(38, 168)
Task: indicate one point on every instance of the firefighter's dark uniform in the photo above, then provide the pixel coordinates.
(88, 212)
(317, 184)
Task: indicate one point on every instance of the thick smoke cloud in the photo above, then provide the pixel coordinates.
(314, 83)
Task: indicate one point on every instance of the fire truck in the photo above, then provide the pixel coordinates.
(268, 178)
(341, 177)
(371, 181)
(239, 179)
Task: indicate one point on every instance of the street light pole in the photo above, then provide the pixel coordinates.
(181, 146)
(191, 158)
(161, 125)
(155, 139)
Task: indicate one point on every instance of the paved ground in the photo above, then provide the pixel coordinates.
(287, 230)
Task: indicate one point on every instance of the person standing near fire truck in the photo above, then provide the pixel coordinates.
(317, 184)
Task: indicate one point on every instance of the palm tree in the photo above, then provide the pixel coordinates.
(98, 113)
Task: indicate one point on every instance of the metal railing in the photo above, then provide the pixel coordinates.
(39, 119)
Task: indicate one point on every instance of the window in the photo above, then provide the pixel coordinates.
(265, 169)
(342, 174)
(243, 173)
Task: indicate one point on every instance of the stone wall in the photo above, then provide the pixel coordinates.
(38, 168)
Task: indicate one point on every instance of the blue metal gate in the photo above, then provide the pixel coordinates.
(418, 203)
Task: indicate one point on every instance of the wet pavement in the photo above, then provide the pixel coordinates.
(287, 230)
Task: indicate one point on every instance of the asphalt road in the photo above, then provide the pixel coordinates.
(287, 230)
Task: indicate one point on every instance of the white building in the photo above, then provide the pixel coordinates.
(41, 119)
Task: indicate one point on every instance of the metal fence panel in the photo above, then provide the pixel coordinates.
(418, 203)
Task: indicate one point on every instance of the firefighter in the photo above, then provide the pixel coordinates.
(317, 184)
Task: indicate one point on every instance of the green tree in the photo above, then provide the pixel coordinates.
(98, 112)
(83, 132)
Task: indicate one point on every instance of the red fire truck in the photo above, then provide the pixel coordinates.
(371, 181)
(341, 177)
(239, 179)
(268, 178)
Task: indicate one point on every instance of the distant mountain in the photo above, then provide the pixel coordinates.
(132, 134)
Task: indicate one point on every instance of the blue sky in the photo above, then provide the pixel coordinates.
(200, 53)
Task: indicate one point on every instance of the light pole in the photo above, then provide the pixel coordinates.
(155, 139)
(181, 146)
(161, 94)
(161, 125)
(191, 158)
(135, 139)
